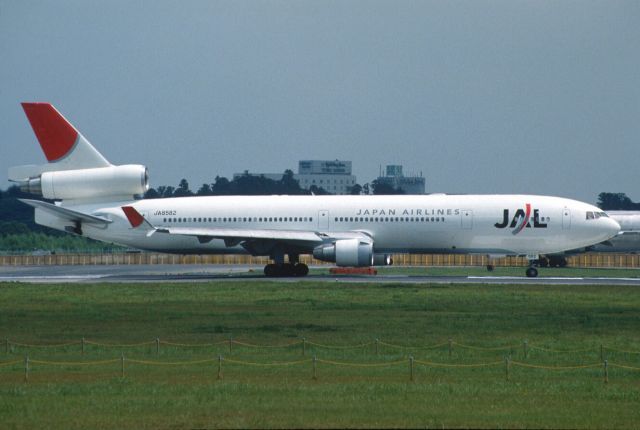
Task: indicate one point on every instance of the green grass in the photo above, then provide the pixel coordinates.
(561, 318)
(572, 272)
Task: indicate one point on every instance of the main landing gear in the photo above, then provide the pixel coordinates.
(286, 269)
(281, 269)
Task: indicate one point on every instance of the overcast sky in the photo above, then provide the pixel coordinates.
(480, 96)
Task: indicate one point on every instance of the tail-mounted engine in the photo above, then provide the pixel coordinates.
(113, 181)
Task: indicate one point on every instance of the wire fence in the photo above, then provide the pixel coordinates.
(507, 363)
(507, 352)
(450, 344)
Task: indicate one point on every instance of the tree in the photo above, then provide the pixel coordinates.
(152, 194)
(168, 191)
(221, 187)
(290, 185)
(183, 189)
(205, 190)
(318, 191)
(616, 201)
(380, 188)
(355, 190)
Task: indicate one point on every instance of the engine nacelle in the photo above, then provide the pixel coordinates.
(121, 181)
(347, 252)
(382, 260)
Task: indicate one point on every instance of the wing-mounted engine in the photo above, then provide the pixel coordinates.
(113, 181)
(347, 252)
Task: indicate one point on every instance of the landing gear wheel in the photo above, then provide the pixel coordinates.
(271, 270)
(287, 269)
(490, 267)
(301, 269)
(532, 272)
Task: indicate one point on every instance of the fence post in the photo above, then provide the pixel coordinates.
(219, 366)
(411, 368)
(304, 345)
(525, 346)
(157, 346)
(315, 373)
(450, 346)
(377, 343)
(606, 372)
(26, 368)
(83, 346)
(122, 366)
(506, 367)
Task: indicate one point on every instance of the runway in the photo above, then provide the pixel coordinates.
(231, 273)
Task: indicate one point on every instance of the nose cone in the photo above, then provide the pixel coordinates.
(610, 226)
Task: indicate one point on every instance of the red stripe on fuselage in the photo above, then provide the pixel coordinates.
(55, 134)
(525, 221)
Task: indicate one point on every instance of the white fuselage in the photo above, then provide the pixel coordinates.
(486, 224)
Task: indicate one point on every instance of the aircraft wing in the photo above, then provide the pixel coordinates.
(68, 214)
(235, 236)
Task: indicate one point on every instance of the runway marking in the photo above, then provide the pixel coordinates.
(47, 278)
(520, 278)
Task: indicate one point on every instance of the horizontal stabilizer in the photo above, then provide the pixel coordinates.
(65, 213)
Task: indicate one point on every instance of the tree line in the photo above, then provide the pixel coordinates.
(251, 185)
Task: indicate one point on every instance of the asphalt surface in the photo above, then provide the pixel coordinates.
(231, 273)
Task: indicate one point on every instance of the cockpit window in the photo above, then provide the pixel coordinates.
(596, 215)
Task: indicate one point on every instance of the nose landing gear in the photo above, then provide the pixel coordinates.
(531, 272)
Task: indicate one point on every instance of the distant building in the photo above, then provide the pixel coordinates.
(409, 184)
(333, 176)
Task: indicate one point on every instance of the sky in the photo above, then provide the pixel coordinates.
(504, 96)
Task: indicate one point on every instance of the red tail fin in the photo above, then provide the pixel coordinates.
(55, 134)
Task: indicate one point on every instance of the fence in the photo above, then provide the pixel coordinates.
(583, 260)
(219, 361)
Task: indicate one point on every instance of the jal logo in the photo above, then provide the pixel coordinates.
(521, 219)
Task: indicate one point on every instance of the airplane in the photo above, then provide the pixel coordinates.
(93, 198)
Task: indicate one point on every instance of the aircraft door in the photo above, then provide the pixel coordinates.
(323, 220)
(466, 219)
(566, 219)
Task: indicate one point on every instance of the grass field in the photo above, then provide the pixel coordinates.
(331, 317)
